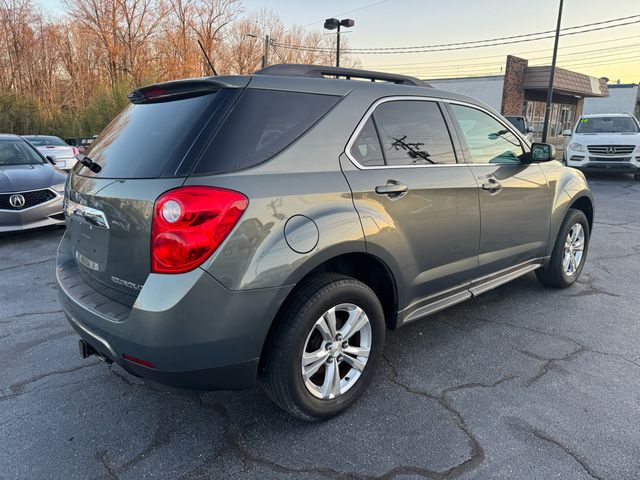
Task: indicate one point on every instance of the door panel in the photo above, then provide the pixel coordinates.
(514, 194)
(515, 219)
(431, 232)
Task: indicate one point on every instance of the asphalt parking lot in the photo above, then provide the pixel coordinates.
(522, 382)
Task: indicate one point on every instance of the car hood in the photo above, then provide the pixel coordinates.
(607, 138)
(18, 178)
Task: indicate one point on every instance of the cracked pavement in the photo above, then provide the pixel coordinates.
(521, 382)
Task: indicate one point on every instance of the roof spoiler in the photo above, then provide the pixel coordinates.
(321, 71)
(176, 90)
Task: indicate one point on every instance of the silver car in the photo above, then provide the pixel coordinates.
(56, 149)
(31, 189)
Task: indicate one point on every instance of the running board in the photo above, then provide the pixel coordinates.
(448, 298)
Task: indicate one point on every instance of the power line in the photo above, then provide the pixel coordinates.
(454, 61)
(466, 64)
(474, 44)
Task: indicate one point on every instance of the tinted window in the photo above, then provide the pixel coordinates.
(17, 152)
(149, 140)
(262, 124)
(607, 125)
(517, 122)
(413, 133)
(489, 141)
(40, 141)
(366, 149)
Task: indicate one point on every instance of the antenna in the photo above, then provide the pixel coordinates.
(207, 57)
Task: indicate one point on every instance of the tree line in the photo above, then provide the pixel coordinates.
(70, 75)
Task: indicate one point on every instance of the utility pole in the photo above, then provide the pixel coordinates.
(547, 112)
(265, 56)
(334, 23)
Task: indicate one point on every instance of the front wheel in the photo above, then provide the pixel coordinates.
(569, 252)
(324, 354)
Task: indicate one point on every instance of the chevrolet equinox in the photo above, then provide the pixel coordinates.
(272, 227)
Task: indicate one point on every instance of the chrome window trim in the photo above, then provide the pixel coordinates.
(57, 195)
(395, 98)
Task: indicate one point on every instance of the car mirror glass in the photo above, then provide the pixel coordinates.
(542, 152)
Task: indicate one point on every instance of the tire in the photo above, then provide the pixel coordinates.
(555, 274)
(636, 177)
(299, 330)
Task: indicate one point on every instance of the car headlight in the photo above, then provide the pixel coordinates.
(577, 147)
(59, 188)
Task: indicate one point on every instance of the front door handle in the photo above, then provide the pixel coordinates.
(392, 189)
(492, 186)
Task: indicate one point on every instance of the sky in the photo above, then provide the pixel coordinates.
(613, 53)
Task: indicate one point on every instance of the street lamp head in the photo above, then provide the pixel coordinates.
(347, 22)
(331, 23)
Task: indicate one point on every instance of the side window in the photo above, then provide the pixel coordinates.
(366, 149)
(489, 141)
(413, 132)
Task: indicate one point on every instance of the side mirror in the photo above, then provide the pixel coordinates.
(567, 133)
(542, 152)
(52, 160)
(529, 130)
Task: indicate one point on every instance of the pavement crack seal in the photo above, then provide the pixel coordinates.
(549, 363)
(476, 455)
(12, 267)
(101, 456)
(231, 440)
(13, 318)
(541, 435)
(18, 388)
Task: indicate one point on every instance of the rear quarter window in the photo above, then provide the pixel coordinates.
(261, 125)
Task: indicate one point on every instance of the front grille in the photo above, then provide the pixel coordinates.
(610, 159)
(31, 199)
(611, 149)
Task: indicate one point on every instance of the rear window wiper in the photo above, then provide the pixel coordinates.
(87, 162)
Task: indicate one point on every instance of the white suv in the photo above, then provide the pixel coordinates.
(605, 143)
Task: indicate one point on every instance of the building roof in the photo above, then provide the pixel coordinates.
(565, 82)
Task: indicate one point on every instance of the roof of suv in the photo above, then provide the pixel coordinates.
(310, 79)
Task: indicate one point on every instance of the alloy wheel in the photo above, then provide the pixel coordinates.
(573, 249)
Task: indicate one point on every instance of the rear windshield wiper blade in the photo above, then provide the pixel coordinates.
(87, 162)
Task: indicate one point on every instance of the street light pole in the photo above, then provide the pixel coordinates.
(547, 112)
(333, 24)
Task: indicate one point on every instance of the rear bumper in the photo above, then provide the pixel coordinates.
(194, 332)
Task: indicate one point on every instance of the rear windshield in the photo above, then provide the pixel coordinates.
(149, 140)
(40, 141)
(18, 152)
(607, 125)
(262, 124)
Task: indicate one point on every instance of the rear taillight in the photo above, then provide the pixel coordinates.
(75, 151)
(189, 223)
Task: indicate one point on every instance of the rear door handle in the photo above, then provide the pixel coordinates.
(392, 189)
(492, 186)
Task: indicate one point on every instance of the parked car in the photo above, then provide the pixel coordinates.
(81, 143)
(31, 189)
(54, 147)
(271, 226)
(522, 124)
(605, 143)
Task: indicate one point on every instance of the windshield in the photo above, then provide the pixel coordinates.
(607, 125)
(17, 152)
(40, 141)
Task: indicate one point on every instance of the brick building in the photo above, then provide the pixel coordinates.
(522, 90)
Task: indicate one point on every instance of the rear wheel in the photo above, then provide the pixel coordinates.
(569, 252)
(325, 352)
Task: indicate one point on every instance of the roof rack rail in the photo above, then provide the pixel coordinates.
(321, 71)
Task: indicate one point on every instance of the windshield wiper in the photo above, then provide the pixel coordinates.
(87, 162)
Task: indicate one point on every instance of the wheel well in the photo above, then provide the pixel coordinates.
(361, 266)
(584, 204)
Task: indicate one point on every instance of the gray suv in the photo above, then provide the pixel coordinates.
(272, 227)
